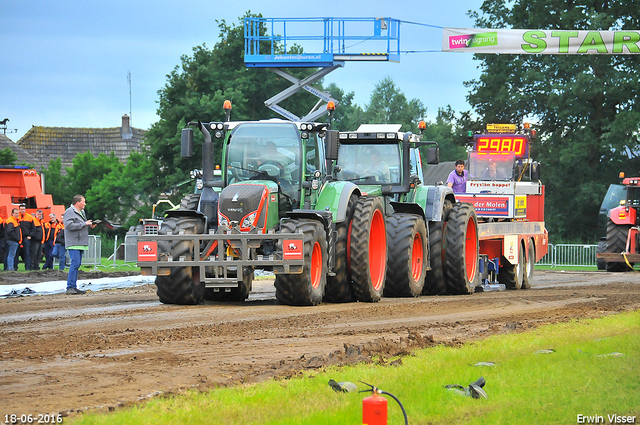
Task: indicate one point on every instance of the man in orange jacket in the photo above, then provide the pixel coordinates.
(26, 224)
(37, 240)
(14, 238)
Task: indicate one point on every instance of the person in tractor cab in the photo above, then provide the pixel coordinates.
(274, 157)
(493, 172)
(379, 169)
(457, 179)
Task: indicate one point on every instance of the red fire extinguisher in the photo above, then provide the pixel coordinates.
(374, 407)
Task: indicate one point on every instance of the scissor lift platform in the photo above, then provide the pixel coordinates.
(325, 43)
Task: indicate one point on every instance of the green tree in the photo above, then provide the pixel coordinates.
(585, 106)
(8, 157)
(126, 193)
(445, 131)
(389, 105)
(196, 89)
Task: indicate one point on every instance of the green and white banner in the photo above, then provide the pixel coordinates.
(544, 42)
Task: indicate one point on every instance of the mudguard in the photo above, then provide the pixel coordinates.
(431, 199)
(335, 198)
(620, 215)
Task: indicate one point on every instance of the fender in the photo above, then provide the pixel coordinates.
(335, 198)
(431, 199)
(620, 215)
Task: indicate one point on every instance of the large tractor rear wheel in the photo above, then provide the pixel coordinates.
(407, 247)
(190, 202)
(183, 285)
(461, 249)
(616, 243)
(368, 246)
(512, 275)
(339, 289)
(306, 288)
(238, 294)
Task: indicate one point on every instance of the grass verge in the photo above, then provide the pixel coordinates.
(580, 377)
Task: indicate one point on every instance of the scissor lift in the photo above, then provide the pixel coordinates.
(277, 43)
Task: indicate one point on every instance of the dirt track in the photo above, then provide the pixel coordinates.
(106, 349)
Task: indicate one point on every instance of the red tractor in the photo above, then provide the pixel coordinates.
(622, 247)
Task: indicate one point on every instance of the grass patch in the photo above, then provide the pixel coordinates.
(525, 388)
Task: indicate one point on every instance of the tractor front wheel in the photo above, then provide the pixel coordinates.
(407, 245)
(368, 245)
(183, 285)
(306, 288)
(461, 249)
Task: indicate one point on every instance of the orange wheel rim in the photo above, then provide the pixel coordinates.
(471, 250)
(377, 250)
(316, 265)
(417, 255)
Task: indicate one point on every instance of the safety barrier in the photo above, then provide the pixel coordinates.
(569, 255)
(92, 257)
(131, 248)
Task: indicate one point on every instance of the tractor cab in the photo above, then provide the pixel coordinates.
(269, 171)
(491, 166)
(373, 156)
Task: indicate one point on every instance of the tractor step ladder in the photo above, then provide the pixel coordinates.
(277, 43)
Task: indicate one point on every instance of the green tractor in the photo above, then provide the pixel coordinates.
(432, 239)
(276, 207)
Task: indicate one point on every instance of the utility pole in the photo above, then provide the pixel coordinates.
(129, 81)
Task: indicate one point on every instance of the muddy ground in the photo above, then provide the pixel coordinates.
(109, 349)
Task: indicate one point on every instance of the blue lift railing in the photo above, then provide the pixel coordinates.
(277, 42)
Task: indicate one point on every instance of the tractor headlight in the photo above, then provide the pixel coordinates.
(248, 220)
(222, 220)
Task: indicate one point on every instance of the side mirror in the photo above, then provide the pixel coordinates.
(535, 171)
(332, 144)
(433, 155)
(186, 143)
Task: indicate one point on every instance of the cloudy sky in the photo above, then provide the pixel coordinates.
(65, 63)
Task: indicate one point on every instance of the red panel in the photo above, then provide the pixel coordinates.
(535, 206)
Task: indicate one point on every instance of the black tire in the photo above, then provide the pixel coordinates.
(339, 288)
(435, 283)
(183, 285)
(530, 263)
(602, 247)
(368, 246)
(512, 275)
(306, 288)
(238, 294)
(190, 202)
(407, 247)
(461, 248)
(616, 243)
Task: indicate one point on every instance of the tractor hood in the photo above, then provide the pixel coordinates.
(249, 205)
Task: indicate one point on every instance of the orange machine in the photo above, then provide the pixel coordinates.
(20, 185)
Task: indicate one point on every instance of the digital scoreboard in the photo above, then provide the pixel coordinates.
(516, 143)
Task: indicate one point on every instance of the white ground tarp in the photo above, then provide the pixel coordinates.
(60, 286)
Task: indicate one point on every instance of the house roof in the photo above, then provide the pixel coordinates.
(24, 156)
(47, 143)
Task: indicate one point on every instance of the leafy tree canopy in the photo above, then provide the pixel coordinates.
(585, 107)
